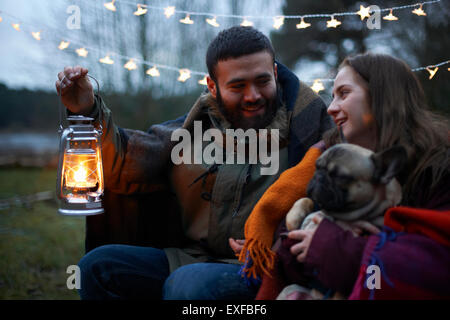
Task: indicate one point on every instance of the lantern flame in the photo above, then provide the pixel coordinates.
(80, 175)
(81, 171)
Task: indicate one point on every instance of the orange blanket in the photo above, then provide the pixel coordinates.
(270, 210)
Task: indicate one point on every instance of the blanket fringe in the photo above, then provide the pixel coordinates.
(262, 258)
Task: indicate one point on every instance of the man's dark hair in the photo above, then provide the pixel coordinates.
(235, 42)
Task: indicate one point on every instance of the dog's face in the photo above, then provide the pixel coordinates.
(347, 176)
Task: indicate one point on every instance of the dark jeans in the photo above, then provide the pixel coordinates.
(131, 272)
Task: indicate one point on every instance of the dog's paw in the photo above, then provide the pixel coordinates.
(298, 212)
(312, 220)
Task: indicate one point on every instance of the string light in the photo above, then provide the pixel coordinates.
(106, 60)
(333, 23)
(36, 35)
(110, 5)
(187, 20)
(63, 45)
(140, 11)
(390, 17)
(184, 75)
(419, 11)
(246, 23)
(212, 22)
(364, 12)
(278, 22)
(432, 71)
(203, 81)
(130, 65)
(169, 11)
(154, 72)
(82, 52)
(1, 19)
(317, 86)
(302, 25)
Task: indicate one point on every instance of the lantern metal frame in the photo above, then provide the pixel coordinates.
(81, 130)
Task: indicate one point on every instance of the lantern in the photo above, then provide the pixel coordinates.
(80, 173)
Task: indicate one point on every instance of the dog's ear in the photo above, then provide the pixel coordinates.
(388, 163)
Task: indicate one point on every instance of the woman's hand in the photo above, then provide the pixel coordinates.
(305, 237)
(236, 245)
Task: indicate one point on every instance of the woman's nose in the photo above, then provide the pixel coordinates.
(333, 108)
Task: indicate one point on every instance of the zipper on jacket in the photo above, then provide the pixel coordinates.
(241, 195)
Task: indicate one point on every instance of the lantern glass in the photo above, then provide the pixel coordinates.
(80, 172)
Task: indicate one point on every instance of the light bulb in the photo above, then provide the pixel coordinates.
(278, 22)
(246, 23)
(130, 65)
(317, 86)
(187, 20)
(302, 25)
(106, 60)
(212, 22)
(63, 45)
(184, 75)
(154, 72)
(364, 12)
(82, 52)
(140, 11)
(432, 72)
(333, 23)
(36, 35)
(390, 17)
(169, 11)
(110, 5)
(419, 11)
(203, 81)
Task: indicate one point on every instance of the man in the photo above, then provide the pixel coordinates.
(246, 90)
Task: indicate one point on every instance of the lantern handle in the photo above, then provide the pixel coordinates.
(61, 128)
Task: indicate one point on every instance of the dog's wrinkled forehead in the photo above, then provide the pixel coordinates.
(347, 159)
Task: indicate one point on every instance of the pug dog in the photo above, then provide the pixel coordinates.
(351, 185)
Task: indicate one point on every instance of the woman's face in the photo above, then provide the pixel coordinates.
(350, 108)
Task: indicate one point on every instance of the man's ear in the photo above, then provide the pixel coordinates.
(211, 86)
(388, 163)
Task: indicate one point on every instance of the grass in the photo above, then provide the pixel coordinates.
(36, 243)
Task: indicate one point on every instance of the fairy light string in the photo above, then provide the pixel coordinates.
(278, 20)
(184, 73)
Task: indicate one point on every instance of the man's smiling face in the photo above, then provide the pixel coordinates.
(246, 90)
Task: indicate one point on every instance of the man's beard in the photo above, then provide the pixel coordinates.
(238, 120)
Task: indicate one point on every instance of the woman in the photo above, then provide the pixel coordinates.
(378, 102)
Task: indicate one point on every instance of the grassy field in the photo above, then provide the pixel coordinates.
(36, 243)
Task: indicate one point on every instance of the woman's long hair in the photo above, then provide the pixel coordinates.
(402, 117)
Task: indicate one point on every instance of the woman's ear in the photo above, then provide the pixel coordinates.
(211, 86)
